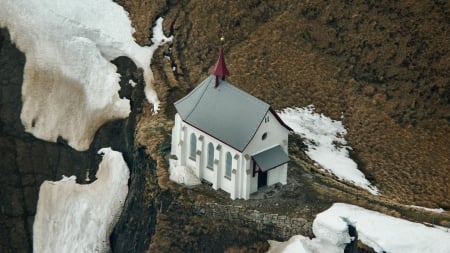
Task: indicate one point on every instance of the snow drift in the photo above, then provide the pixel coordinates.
(302, 244)
(80, 218)
(183, 175)
(70, 88)
(381, 232)
(326, 143)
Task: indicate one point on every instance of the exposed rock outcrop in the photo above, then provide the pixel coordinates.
(27, 161)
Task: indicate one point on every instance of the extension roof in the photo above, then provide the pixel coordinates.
(271, 158)
(224, 112)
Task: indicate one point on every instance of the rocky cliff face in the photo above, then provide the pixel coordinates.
(27, 161)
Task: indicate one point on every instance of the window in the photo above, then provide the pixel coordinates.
(210, 162)
(264, 136)
(193, 150)
(266, 119)
(228, 165)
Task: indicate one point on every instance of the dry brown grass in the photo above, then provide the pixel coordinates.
(152, 132)
(337, 58)
(143, 13)
(384, 65)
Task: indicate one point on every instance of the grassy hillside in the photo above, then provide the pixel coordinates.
(384, 66)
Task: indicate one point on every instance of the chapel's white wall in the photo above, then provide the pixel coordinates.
(276, 135)
(253, 182)
(242, 177)
(175, 136)
(277, 175)
(246, 173)
(216, 176)
(241, 183)
(194, 164)
(226, 183)
(177, 141)
(209, 174)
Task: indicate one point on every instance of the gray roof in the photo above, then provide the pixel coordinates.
(271, 158)
(226, 112)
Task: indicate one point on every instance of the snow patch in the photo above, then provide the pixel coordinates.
(331, 229)
(434, 210)
(80, 218)
(132, 83)
(70, 87)
(381, 232)
(326, 143)
(158, 40)
(183, 175)
(302, 244)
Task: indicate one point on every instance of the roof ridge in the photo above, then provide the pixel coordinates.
(214, 111)
(192, 91)
(201, 96)
(246, 94)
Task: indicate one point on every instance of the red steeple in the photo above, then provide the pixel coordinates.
(220, 70)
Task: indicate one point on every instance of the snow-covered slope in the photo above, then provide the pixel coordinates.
(70, 88)
(326, 143)
(381, 232)
(80, 218)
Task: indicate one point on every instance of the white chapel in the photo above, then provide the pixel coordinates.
(228, 137)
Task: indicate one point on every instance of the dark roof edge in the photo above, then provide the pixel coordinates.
(198, 101)
(254, 133)
(276, 116)
(253, 159)
(192, 92)
(279, 119)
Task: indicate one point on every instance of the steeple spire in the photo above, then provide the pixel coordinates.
(220, 69)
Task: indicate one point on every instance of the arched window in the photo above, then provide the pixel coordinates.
(228, 165)
(193, 150)
(210, 162)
